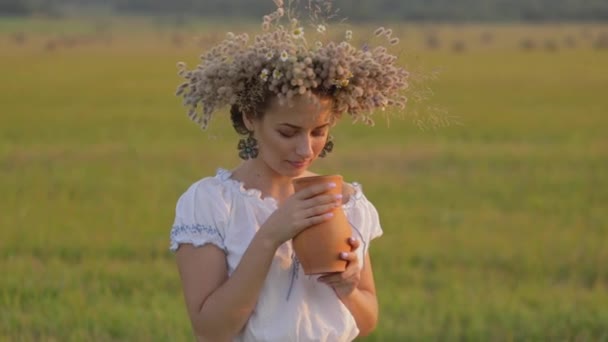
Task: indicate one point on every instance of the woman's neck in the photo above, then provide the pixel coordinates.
(257, 175)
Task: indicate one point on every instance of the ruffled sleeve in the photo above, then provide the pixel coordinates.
(200, 216)
(363, 218)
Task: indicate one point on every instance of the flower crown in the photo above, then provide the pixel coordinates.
(281, 62)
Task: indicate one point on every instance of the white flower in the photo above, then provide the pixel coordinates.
(298, 32)
(269, 55)
(284, 56)
(318, 44)
(321, 29)
(277, 74)
(349, 35)
(264, 74)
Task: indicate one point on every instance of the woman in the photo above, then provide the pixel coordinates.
(232, 239)
(232, 232)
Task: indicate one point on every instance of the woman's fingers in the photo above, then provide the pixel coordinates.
(354, 243)
(321, 209)
(314, 190)
(337, 278)
(349, 256)
(320, 200)
(311, 221)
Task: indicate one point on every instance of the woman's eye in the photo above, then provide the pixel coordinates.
(318, 133)
(286, 134)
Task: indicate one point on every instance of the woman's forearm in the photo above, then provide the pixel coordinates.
(227, 309)
(363, 305)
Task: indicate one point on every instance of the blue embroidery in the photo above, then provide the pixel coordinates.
(295, 269)
(193, 229)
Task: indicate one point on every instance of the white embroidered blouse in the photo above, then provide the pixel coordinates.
(291, 306)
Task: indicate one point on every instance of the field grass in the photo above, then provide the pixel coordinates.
(494, 227)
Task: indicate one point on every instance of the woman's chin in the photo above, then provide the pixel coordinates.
(293, 172)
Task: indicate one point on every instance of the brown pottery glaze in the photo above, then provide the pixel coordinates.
(318, 247)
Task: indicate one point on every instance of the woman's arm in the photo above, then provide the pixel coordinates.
(362, 302)
(356, 289)
(218, 305)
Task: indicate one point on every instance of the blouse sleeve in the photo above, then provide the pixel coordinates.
(364, 219)
(200, 216)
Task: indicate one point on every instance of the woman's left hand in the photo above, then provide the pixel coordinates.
(344, 283)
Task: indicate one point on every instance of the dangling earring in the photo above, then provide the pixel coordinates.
(329, 146)
(248, 148)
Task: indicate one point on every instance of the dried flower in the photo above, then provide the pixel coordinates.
(349, 35)
(264, 74)
(277, 74)
(298, 32)
(284, 56)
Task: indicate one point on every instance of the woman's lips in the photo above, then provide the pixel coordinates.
(299, 164)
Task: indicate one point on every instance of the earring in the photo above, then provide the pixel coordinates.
(248, 148)
(329, 146)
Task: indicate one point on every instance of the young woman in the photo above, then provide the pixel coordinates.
(232, 236)
(232, 231)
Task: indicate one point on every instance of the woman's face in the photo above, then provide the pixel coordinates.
(291, 138)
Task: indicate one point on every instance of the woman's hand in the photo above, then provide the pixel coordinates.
(344, 283)
(301, 210)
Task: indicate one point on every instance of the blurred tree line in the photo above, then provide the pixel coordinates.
(369, 10)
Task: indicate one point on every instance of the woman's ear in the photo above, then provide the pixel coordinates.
(248, 121)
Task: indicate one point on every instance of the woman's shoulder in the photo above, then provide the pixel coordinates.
(203, 199)
(207, 187)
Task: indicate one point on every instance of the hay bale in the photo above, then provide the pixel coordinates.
(486, 38)
(19, 38)
(601, 42)
(459, 46)
(432, 42)
(528, 44)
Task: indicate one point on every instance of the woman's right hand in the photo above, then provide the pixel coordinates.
(301, 210)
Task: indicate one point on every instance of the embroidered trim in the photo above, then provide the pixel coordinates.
(197, 234)
(225, 176)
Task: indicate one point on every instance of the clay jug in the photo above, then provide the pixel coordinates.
(318, 247)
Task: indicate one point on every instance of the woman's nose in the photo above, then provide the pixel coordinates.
(304, 147)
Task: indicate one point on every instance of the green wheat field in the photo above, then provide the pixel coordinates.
(494, 225)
